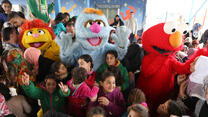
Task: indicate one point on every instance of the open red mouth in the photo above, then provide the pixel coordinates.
(37, 44)
(95, 41)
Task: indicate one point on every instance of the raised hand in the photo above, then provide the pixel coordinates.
(26, 79)
(121, 36)
(64, 88)
(104, 101)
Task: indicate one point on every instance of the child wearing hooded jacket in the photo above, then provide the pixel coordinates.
(80, 92)
(51, 97)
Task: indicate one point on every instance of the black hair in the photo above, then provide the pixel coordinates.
(112, 52)
(70, 23)
(50, 76)
(59, 18)
(87, 58)
(7, 32)
(66, 14)
(4, 90)
(55, 67)
(73, 19)
(117, 74)
(106, 75)
(96, 110)
(14, 15)
(21, 14)
(175, 109)
(6, 2)
(79, 75)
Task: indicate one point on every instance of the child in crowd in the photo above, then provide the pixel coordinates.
(112, 59)
(117, 74)
(109, 97)
(59, 69)
(50, 96)
(7, 6)
(138, 110)
(10, 38)
(85, 61)
(197, 105)
(136, 96)
(170, 107)
(70, 29)
(59, 24)
(96, 112)
(80, 92)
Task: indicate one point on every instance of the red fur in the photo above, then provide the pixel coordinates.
(36, 23)
(157, 71)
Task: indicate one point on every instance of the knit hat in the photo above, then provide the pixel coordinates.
(32, 55)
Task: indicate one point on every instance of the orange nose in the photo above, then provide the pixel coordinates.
(175, 39)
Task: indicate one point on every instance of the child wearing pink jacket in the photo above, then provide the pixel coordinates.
(80, 92)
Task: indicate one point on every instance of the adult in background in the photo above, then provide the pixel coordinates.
(131, 23)
(117, 22)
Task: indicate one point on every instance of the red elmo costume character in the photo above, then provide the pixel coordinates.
(159, 65)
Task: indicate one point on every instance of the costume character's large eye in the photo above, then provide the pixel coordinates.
(41, 32)
(170, 27)
(29, 33)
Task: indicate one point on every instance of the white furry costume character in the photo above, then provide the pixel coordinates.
(92, 34)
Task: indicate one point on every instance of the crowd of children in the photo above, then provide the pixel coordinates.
(32, 85)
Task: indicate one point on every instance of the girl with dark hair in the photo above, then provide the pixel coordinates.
(59, 21)
(109, 97)
(80, 92)
(85, 61)
(60, 70)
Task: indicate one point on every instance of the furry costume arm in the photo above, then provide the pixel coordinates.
(184, 68)
(66, 47)
(121, 41)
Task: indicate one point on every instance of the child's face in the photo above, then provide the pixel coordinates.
(50, 85)
(17, 21)
(14, 36)
(84, 64)
(109, 84)
(70, 29)
(7, 8)
(133, 114)
(111, 60)
(62, 70)
(98, 115)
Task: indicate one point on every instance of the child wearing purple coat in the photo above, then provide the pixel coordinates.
(109, 97)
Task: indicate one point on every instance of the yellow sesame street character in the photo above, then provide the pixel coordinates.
(38, 34)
